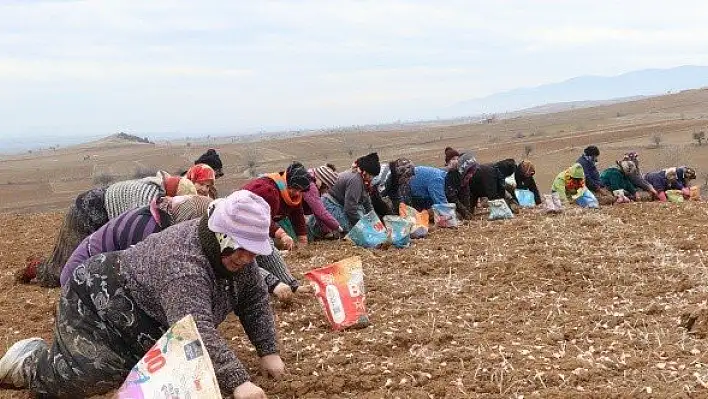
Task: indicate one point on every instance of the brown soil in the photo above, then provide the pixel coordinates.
(608, 303)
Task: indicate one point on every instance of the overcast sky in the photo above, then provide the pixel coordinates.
(216, 67)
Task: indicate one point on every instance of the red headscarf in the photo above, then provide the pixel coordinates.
(200, 173)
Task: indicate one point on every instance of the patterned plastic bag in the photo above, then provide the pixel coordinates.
(526, 198)
(445, 215)
(420, 220)
(499, 210)
(340, 290)
(552, 203)
(369, 232)
(399, 231)
(177, 367)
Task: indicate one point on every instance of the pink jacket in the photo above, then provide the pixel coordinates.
(312, 205)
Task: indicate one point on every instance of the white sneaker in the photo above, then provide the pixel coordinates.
(11, 362)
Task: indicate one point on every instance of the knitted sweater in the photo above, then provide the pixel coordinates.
(130, 194)
(350, 192)
(312, 205)
(120, 233)
(169, 275)
(267, 189)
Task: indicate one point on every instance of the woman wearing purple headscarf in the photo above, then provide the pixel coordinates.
(116, 306)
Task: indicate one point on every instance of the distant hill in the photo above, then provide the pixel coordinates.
(571, 105)
(646, 82)
(123, 138)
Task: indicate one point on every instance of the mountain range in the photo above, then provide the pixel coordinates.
(645, 82)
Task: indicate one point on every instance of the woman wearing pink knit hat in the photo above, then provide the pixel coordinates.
(116, 305)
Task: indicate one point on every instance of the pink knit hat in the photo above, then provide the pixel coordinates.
(244, 218)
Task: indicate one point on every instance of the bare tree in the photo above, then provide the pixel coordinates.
(699, 137)
(673, 155)
(347, 145)
(656, 140)
(251, 158)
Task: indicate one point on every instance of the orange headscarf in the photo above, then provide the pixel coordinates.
(200, 173)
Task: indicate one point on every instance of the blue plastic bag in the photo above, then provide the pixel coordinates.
(399, 230)
(499, 210)
(588, 200)
(526, 198)
(369, 232)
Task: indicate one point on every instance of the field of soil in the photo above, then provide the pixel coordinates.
(606, 303)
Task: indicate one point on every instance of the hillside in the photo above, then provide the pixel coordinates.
(555, 140)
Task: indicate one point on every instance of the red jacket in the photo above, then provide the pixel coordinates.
(279, 210)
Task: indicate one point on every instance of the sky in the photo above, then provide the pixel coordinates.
(220, 67)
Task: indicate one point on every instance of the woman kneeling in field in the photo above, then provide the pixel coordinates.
(570, 183)
(116, 306)
(94, 208)
(671, 179)
(350, 194)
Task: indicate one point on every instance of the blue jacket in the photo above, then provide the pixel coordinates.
(661, 183)
(429, 184)
(592, 175)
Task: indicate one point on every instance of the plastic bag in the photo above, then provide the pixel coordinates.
(621, 197)
(177, 366)
(695, 193)
(526, 198)
(588, 200)
(339, 287)
(674, 195)
(399, 231)
(445, 215)
(420, 220)
(369, 232)
(552, 203)
(619, 193)
(499, 210)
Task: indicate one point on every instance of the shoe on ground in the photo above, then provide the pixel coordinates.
(11, 363)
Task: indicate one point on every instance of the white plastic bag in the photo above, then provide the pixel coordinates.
(499, 210)
(445, 215)
(552, 203)
(176, 367)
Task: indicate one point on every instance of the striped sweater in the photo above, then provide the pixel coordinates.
(120, 233)
(130, 194)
